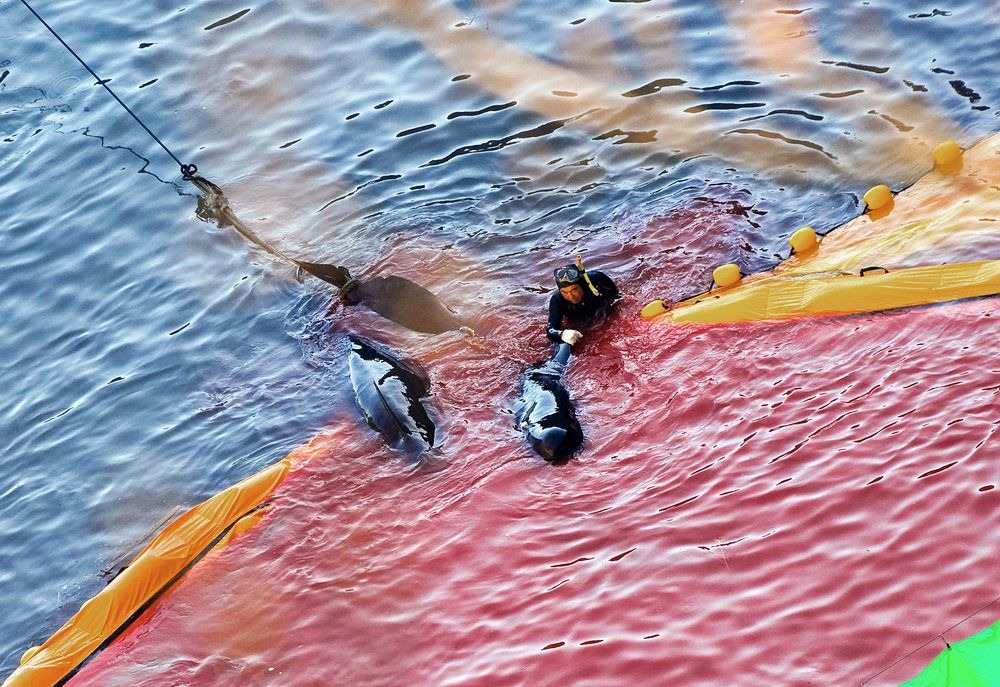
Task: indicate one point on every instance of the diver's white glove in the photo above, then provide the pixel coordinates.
(570, 336)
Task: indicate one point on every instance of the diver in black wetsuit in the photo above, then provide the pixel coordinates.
(582, 298)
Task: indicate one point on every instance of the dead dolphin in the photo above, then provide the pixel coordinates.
(545, 412)
(393, 297)
(404, 302)
(389, 393)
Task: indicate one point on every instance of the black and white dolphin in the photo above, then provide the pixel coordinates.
(545, 412)
(390, 394)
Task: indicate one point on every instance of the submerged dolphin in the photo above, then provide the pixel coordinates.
(411, 305)
(389, 393)
(393, 297)
(545, 412)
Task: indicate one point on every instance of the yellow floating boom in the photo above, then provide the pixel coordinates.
(783, 297)
(953, 207)
(211, 524)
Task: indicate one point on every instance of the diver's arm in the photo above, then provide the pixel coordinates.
(554, 329)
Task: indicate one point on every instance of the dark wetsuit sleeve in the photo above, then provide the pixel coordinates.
(554, 329)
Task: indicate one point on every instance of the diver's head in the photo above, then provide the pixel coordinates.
(569, 280)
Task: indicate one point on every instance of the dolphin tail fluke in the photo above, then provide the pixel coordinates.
(334, 274)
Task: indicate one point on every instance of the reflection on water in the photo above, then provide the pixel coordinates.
(744, 493)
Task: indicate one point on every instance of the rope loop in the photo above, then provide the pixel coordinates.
(189, 172)
(347, 292)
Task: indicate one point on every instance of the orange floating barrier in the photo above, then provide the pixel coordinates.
(875, 263)
(152, 571)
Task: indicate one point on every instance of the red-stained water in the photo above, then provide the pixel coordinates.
(794, 503)
(798, 503)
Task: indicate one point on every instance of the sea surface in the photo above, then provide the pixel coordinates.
(801, 503)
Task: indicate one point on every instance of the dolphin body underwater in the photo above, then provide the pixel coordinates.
(390, 394)
(545, 412)
(406, 303)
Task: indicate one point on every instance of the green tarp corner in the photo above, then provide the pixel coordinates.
(972, 662)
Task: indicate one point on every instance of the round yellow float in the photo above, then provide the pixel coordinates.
(803, 240)
(726, 275)
(653, 309)
(946, 153)
(877, 197)
(27, 655)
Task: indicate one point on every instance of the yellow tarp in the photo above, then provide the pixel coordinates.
(941, 216)
(847, 293)
(152, 570)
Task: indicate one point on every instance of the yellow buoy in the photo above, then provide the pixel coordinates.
(726, 275)
(946, 153)
(877, 196)
(27, 655)
(802, 240)
(653, 309)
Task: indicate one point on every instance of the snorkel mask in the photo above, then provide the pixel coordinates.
(567, 276)
(574, 274)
